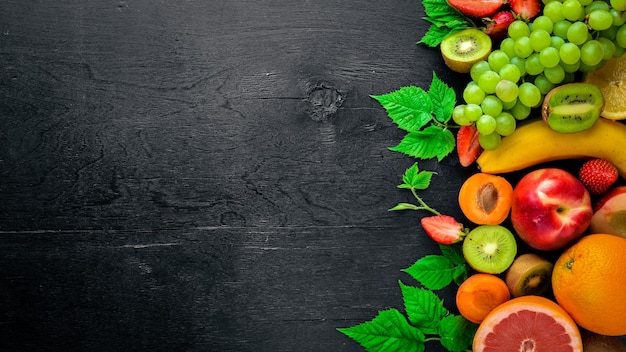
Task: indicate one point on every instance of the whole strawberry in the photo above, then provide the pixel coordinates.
(598, 175)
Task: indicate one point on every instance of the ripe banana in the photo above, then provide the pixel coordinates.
(535, 142)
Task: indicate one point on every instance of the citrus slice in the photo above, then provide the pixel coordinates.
(528, 323)
(611, 79)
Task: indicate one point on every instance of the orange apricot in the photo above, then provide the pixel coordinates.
(479, 295)
(486, 199)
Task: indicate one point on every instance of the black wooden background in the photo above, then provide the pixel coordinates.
(206, 175)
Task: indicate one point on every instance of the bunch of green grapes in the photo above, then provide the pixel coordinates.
(568, 37)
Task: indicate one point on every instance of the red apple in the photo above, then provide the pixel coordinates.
(551, 208)
(610, 213)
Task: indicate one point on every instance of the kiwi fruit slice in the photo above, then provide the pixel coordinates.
(490, 248)
(460, 50)
(530, 274)
(572, 107)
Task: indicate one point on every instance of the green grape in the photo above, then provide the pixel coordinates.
(619, 17)
(507, 91)
(507, 45)
(600, 20)
(569, 53)
(570, 77)
(492, 105)
(473, 94)
(543, 22)
(619, 51)
(522, 47)
(596, 5)
(561, 27)
(488, 81)
(554, 11)
(520, 63)
(473, 112)
(620, 36)
(489, 141)
(585, 2)
(549, 57)
(510, 72)
(505, 124)
(609, 47)
(478, 68)
(520, 111)
(518, 29)
(556, 42)
(555, 74)
(572, 10)
(589, 68)
(570, 68)
(486, 124)
(497, 59)
(508, 105)
(591, 53)
(529, 94)
(577, 33)
(609, 33)
(539, 39)
(533, 65)
(619, 5)
(458, 116)
(543, 84)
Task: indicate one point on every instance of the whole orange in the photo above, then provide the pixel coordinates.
(589, 282)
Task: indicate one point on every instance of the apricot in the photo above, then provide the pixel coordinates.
(486, 199)
(479, 295)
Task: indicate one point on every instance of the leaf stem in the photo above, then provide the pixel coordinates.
(423, 205)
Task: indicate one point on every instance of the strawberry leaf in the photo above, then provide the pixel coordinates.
(456, 333)
(423, 307)
(431, 142)
(433, 271)
(409, 107)
(389, 331)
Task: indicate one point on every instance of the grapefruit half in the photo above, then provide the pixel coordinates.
(528, 324)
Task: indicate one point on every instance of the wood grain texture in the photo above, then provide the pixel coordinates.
(205, 175)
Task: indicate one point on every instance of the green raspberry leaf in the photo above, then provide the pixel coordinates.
(405, 206)
(461, 273)
(389, 331)
(423, 307)
(443, 98)
(444, 20)
(433, 271)
(431, 142)
(454, 252)
(409, 107)
(413, 178)
(457, 333)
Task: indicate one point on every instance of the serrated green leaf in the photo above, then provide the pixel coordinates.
(405, 206)
(423, 307)
(461, 273)
(389, 331)
(456, 333)
(434, 36)
(444, 20)
(409, 107)
(413, 178)
(454, 252)
(431, 142)
(443, 98)
(432, 271)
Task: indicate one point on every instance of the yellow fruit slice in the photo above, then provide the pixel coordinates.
(611, 79)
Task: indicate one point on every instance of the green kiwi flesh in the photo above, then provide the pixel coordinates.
(490, 248)
(460, 50)
(572, 107)
(530, 274)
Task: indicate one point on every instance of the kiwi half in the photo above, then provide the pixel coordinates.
(530, 274)
(460, 50)
(490, 248)
(572, 107)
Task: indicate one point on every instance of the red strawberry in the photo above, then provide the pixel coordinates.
(526, 9)
(444, 229)
(477, 8)
(467, 145)
(498, 25)
(598, 175)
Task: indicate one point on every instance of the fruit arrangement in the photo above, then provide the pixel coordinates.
(542, 264)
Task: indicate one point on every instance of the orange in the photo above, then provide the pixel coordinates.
(479, 295)
(528, 323)
(589, 282)
(611, 79)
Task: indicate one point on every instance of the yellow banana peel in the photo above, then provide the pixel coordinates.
(535, 142)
